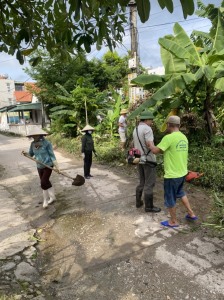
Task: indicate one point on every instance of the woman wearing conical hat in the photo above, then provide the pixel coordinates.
(87, 150)
(43, 152)
(122, 127)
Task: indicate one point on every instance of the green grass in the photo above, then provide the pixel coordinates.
(7, 133)
(4, 297)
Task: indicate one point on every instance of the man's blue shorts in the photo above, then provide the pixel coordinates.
(173, 189)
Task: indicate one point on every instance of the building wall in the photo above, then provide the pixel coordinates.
(157, 71)
(7, 88)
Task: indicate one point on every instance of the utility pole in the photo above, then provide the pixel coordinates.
(134, 60)
(133, 33)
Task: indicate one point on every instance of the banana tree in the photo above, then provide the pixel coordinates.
(193, 76)
(70, 111)
(110, 120)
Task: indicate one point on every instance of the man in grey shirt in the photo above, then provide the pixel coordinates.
(142, 136)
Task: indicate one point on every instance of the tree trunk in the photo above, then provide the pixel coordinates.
(208, 113)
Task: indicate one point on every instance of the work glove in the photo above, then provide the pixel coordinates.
(56, 166)
(83, 155)
(95, 154)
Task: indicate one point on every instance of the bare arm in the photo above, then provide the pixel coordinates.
(153, 148)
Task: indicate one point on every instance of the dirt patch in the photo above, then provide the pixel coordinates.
(2, 169)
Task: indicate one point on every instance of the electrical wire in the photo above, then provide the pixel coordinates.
(7, 60)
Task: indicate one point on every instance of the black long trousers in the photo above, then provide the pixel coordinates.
(87, 162)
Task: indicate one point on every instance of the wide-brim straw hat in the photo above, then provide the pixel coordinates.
(87, 127)
(123, 111)
(36, 131)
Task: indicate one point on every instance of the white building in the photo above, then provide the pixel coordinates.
(20, 109)
(7, 88)
(156, 71)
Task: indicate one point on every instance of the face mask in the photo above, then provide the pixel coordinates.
(89, 131)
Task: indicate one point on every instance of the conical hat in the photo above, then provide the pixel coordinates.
(36, 131)
(123, 111)
(87, 127)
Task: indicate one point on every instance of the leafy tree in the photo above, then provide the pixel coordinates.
(98, 74)
(69, 115)
(117, 68)
(68, 26)
(194, 77)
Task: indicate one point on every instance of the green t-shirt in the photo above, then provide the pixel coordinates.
(175, 148)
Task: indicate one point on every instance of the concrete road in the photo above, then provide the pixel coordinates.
(92, 243)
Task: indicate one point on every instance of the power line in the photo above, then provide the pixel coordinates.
(168, 23)
(7, 60)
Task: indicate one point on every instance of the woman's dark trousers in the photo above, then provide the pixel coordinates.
(87, 162)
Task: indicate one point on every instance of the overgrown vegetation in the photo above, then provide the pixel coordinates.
(108, 150)
(4, 297)
(216, 219)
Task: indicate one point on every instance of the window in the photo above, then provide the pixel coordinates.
(19, 87)
(10, 101)
(8, 86)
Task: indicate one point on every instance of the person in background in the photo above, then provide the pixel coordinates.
(122, 127)
(174, 146)
(142, 136)
(87, 150)
(42, 150)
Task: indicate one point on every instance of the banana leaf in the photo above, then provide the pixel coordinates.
(173, 86)
(218, 43)
(184, 40)
(172, 64)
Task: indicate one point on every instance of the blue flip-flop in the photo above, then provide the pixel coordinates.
(187, 217)
(166, 224)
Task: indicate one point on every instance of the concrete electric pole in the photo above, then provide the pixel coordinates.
(133, 33)
(134, 60)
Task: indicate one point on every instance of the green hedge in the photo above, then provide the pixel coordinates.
(208, 160)
(107, 149)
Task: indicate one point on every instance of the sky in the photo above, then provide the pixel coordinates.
(160, 23)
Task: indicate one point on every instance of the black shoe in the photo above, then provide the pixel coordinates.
(152, 209)
(139, 204)
(90, 175)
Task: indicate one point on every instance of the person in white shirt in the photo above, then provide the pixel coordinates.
(123, 127)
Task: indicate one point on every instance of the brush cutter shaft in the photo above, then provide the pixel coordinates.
(46, 166)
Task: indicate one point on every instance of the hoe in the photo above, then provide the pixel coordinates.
(77, 181)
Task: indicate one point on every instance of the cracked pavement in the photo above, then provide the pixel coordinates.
(92, 243)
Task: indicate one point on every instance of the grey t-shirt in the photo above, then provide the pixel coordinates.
(145, 134)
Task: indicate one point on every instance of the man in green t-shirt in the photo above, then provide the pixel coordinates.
(174, 146)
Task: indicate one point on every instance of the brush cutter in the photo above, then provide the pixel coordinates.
(77, 181)
(193, 175)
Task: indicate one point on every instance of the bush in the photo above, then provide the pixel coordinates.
(109, 152)
(216, 217)
(71, 145)
(107, 149)
(207, 160)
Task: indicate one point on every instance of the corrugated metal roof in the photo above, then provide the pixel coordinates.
(7, 108)
(26, 107)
